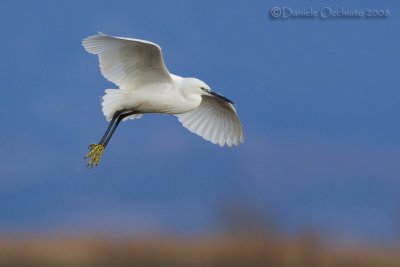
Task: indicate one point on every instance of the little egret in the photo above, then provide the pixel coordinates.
(146, 86)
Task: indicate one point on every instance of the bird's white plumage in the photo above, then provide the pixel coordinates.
(126, 62)
(111, 100)
(145, 84)
(215, 121)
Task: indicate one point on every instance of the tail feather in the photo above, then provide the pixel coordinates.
(113, 101)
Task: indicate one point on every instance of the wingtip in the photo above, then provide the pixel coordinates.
(92, 36)
(89, 41)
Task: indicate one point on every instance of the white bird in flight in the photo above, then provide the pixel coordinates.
(146, 86)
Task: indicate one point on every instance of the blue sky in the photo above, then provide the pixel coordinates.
(318, 100)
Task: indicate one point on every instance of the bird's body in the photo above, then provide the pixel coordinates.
(159, 97)
(146, 86)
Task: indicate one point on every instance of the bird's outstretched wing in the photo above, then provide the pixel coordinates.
(215, 120)
(127, 62)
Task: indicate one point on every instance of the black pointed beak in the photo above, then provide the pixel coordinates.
(220, 97)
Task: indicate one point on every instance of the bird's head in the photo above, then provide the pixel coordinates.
(195, 86)
(199, 88)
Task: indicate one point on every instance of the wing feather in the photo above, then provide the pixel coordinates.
(215, 120)
(128, 62)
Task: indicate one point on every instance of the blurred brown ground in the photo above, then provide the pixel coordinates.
(213, 251)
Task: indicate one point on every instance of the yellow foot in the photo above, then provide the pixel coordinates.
(96, 150)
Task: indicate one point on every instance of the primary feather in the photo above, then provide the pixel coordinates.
(126, 62)
(214, 120)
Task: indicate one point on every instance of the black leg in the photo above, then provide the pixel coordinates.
(96, 150)
(115, 116)
(118, 120)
